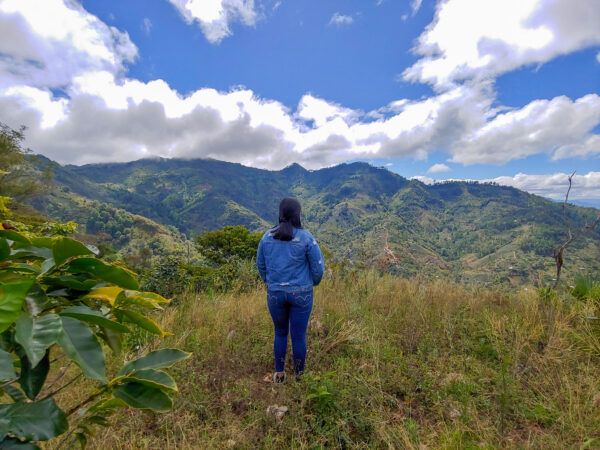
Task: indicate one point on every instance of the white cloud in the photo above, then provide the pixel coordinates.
(438, 168)
(339, 20)
(46, 44)
(481, 39)
(560, 127)
(216, 16)
(598, 57)
(146, 26)
(415, 5)
(555, 185)
(102, 115)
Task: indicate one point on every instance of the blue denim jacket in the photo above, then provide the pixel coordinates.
(290, 266)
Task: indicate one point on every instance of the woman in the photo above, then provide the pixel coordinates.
(290, 262)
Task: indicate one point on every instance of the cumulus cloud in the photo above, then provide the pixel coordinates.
(103, 115)
(438, 168)
(473, 40)
(46, 44)
(339, 20)
(560, 127)
(555, 185)
(216, 16)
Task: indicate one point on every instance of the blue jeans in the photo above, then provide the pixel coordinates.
(290, 312)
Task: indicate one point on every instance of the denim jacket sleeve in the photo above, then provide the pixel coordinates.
(260, 261)
(315, 261)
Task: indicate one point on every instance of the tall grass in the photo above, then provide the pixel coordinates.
(392, 363)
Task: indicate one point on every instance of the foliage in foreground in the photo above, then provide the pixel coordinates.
(392, 363)
(58, 300)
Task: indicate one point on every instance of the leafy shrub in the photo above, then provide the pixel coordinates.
(57, 297)
(220, 246)
(586, 288)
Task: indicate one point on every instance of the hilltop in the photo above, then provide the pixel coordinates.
(368, 215)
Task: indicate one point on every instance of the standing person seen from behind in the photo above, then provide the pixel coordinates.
(290, 263)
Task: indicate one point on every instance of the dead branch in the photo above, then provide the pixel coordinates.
(558, 253)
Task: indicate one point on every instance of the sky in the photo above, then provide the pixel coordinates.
(501, 90)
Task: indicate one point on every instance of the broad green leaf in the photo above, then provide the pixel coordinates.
(12, 235)
(77, 283)
(158, 359)
(32, 379)
(7, 369)
(30, 251)
(15, 393)
(143, 299)
(103, 271)
(37, 334)
(107, 294)
(107, 406)
(153, 378)
(36, 300)
(90, 315)
(12, 296)
(22, 268)
(113, 339)
(141, 321)
(65, 248)
(143, 397)
(38, 421)
(43, 241)
(4, 249)
(48, 265)
(80, 344)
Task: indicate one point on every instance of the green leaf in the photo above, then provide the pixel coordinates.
(36, 300)
(7, 369)
(14, 236)
(32, 379)
(80, 344)
(107, 272)
(4, 249)
(12, 296)
(158, 359)
(38, 421)
(65, 248)
(108, 406)
(78, 283)
(37, 334)
(30, 251)
(140, 320)
(143, 299)
(113, 339)
(153, 378)
(90, 315)
(22, 268)
(108, 294)
(141, 396)
(15, 393)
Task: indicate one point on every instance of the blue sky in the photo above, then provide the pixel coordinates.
(429, 89)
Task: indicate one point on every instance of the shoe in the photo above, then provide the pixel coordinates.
(278, 377)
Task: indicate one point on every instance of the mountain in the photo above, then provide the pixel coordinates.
(369, 215)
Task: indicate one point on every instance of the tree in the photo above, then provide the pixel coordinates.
(229, 242)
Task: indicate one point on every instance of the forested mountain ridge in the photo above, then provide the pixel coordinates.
(367, 214)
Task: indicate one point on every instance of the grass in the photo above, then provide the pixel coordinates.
(393, 363)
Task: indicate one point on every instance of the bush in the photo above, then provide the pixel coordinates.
(57, 296)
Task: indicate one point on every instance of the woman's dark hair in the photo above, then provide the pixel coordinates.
(289, 217)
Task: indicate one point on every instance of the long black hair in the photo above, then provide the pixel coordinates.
(289, 217)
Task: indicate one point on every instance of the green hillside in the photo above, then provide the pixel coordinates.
(368, 215)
